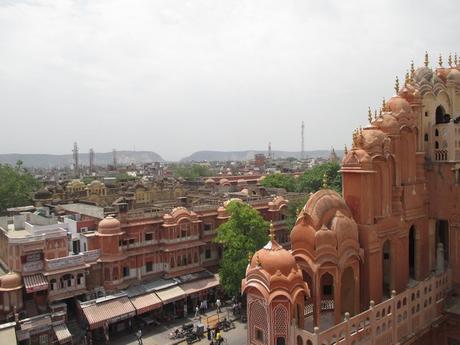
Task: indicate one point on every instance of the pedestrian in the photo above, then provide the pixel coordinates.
(208, 330)
(218, 338)
(205, 304)
(139, 337)
(202, 307)
(218, 305)
(197, 312)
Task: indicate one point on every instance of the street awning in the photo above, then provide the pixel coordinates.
(145, 303)
(108, 311)
(171, 294)
(200, 285)
(62, 333)
(35, 282)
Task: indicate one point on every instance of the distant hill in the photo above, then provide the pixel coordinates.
(200, 156)
(101, 158)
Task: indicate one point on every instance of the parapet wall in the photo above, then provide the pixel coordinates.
(387, 323)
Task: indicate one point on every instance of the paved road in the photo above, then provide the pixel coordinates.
(159, 335)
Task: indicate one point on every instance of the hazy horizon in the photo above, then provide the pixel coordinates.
(175, 77)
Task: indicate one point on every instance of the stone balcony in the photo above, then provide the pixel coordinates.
(391, 322)
(72, 261)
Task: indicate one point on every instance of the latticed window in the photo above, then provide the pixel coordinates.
(258, 317)
(280, 317)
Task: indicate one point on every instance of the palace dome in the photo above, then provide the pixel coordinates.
(273, 258)
(10, 281)
(388, 124)
(325, 226)
(423, 73)
(109, 226)
(303, 234)
(397, 105)
(454, 75)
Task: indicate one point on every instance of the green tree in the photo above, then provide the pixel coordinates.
(245, 232)
(288, 182)
(293, 207)
(16, 186)
(312, 179)
(191, 171)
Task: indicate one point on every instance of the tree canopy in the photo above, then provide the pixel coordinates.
(16, 186)
(310, 181)
(243, 234)
(285, 181)
(191, 171)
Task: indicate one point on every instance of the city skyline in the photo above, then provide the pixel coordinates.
(195, 76)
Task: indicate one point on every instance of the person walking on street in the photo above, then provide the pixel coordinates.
(218, 304)
(139, 337)
(208, 330)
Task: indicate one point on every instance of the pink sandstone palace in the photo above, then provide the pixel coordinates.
(375, 265)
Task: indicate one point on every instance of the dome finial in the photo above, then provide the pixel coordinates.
(325, 181)
(455, 59)
(412, 70)
(272, 231)
(407, 78)
(345, 149)
(440, 60)
(397, 85)
(383, 104)
(426, 62)
(449, 60)
(369, 115)
(375, 114)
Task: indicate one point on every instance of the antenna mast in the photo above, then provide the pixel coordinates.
(91, 160)
(75, 159)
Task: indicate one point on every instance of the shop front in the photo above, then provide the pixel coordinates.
(174, 300)
(108, 316)
(201, 292)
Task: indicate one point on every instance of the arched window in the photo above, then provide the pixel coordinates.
(299, 340)
(436, 145)
(440, 114)
(80, 279)
(436, 133)
(172, 262)
(53, 284)
(426, 137)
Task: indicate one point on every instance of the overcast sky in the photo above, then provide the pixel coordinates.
(180, 76)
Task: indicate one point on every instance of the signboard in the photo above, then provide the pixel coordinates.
(33, 257)
(67, 261)
(32, 266)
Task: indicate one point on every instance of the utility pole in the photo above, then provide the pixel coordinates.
(302, 148)
(114, 159)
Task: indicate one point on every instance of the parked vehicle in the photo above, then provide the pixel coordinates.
(195, 334)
